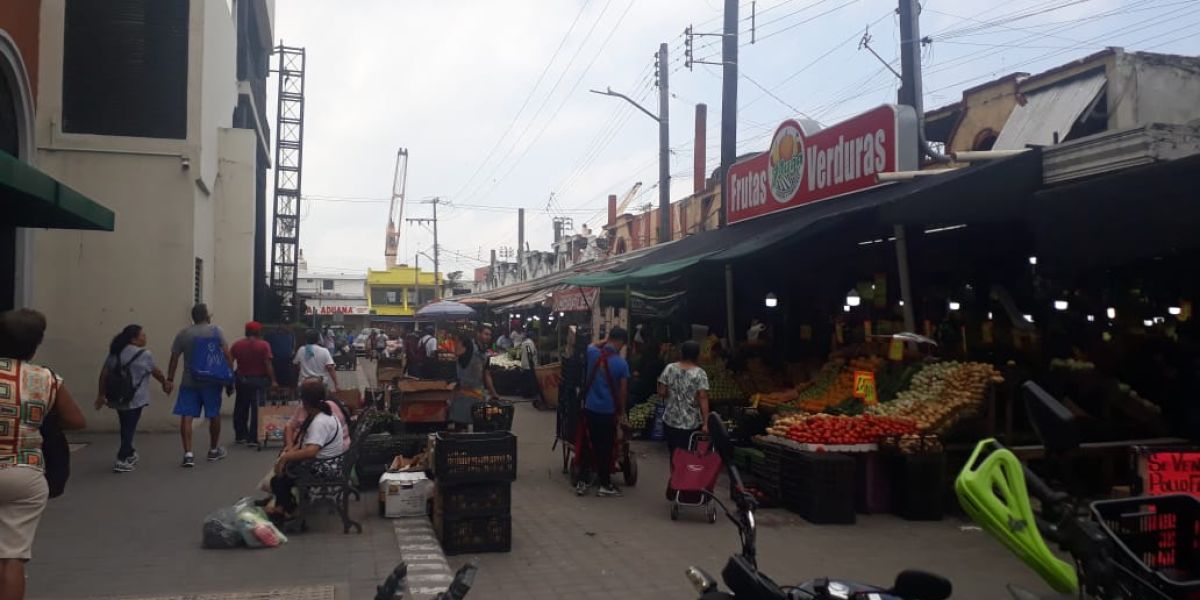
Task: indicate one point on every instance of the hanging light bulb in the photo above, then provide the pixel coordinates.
(771, 301)
(1091, 318)
(1111, 313)
(1060, 305)
(852, 298)
(1148, 323)
(1028, 318)
(954, 305)
(1174, 311)
(845, 308)
(989, 315)
(1033, 260)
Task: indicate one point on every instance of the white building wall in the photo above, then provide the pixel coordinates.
(174, 200)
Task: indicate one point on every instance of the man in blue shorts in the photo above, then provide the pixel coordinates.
(196, 395)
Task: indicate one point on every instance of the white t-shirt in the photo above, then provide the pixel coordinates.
(429, 344)
(313, 365)
(325, 431)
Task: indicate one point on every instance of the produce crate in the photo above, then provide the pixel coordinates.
(819, 486)
(475, 457)
(492, 416)
(369, 474)
(389, 369)
(918, 486)
(508, 382)
(473, 499)
(461, 535)
(1158, 540)
(381, 448)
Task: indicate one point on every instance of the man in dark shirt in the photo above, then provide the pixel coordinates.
(252, 365)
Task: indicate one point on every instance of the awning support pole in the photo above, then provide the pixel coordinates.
(910, 321)
(729, 307)
(628, 311)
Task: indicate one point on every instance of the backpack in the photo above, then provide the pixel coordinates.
(119, 387)
(207, 362)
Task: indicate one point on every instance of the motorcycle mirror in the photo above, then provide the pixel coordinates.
(720, 437)
(920, 585)
(1053, 422)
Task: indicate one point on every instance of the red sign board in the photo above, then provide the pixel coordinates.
(1171, 473)
(575, 299)
(805, 165)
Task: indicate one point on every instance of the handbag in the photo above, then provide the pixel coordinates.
(56, 454)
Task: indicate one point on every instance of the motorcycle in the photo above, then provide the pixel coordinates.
(745, 582)
(994, 488)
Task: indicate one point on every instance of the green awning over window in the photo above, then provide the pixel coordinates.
(31, 198)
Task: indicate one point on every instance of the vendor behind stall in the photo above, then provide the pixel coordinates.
(473, 376)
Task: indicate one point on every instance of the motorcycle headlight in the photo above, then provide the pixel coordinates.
(701, 581)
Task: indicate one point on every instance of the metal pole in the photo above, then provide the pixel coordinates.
(664, 149)
(698, 150)
(910, 321)
(520, 244)
(437, 289)
(729, 324)
(729, 85)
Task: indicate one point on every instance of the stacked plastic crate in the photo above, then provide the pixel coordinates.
(472, 509)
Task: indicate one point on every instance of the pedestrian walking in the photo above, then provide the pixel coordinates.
(473, 376)
(529, 365)
(125, 387)
(32, 395)
(604, 408)
(198, 395)
(381, 344)
(254, 374)
(684, 386)
(313, 360)
(371, 339)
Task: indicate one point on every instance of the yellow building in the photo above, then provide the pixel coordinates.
(400, 290)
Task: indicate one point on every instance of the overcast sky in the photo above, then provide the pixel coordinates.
(491, 98)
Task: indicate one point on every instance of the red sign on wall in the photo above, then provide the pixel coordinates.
(804, 166)
(1171, 473)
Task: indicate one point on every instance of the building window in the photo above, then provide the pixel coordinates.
(984, 140)
(125, 68)
(198, 284)
(410, 296)
(327, 284)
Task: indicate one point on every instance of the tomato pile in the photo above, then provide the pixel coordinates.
(864, 429)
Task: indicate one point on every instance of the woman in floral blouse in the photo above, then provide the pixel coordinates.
(29, 393)
(684, 385)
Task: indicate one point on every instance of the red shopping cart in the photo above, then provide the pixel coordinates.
(694, 475)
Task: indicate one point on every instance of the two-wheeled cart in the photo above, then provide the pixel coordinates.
(694, 474)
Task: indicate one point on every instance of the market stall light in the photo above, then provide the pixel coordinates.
(954, 305)
(1111, 313)
(1160, 320)
(1148, 323)
(1061, 305)
(1028, 318)
(1091, 318)
(845, 308)
(852, 298)
(901, 303)
(1033, 260)
(771, 301)
(989, 315)
(1174, 311)
(562, 314)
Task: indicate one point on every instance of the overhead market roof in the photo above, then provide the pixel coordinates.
(983, 192)
(1048, 114)
(32, 198)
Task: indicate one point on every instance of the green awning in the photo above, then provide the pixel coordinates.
(644, 274)
(31, 198)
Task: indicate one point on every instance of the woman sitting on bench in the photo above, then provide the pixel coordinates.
(320, 437)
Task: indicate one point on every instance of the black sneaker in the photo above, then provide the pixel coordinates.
(189, 461)
(608, 491)
(217, 453)
(581, 488)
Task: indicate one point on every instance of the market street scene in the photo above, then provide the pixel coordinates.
(384, 300)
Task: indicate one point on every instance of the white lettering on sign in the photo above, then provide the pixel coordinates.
(845, 161)
(749, 191)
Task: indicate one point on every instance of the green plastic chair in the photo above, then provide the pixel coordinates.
(992, 491)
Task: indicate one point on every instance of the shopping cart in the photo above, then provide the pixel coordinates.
(694, 474)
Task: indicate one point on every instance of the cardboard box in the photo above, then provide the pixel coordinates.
(405, 494)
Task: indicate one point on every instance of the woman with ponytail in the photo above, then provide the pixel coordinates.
(124, 386)
(319, 437)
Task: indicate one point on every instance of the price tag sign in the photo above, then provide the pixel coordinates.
(864, 387)
(896, 349)
(1172, 473)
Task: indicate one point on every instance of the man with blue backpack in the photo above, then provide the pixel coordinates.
(206, 373)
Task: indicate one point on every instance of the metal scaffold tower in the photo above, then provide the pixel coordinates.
(289, 144)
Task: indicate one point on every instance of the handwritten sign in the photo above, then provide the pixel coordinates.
(864, 387)
(1172, 473)
(896, 349)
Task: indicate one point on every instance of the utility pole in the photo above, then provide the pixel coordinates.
(729, 87)
(664, 139)
(910, 94)
(437, 289)
(664, 145)
(520, 244)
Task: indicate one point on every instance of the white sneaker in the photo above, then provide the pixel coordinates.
(133, 459)
(122, 466)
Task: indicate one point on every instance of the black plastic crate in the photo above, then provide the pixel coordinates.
(369, 474)
(918, 486)
(475, 457)
(473, 499)
(820, 486)
(461, 535)
(492, 416)
(1158, 540)
(381, 448)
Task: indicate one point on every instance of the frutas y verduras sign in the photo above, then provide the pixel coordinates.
(806, 164)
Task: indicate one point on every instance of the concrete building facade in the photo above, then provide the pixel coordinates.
(145, 108)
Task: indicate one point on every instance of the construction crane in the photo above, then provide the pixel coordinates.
(396, 212)
(628, 198)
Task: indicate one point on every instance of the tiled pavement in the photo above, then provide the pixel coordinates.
(138, 535)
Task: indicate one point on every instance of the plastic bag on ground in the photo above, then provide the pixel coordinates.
(256, 529)
(221, 529)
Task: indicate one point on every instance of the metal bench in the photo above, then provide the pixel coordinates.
(327, 482)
